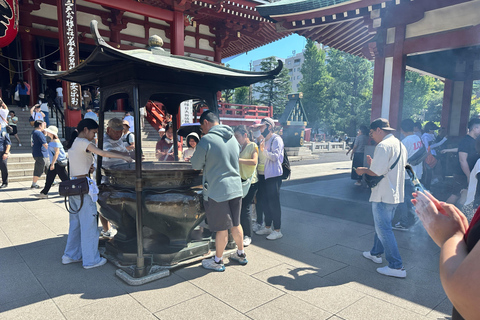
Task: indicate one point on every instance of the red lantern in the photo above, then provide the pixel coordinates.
(8, 21)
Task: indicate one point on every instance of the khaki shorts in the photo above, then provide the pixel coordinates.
(41, 166)
(223, 215)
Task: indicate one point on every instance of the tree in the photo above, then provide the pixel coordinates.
(350, 91)
(314, 84)
(416, 95)
(274, 92)
(241, 95)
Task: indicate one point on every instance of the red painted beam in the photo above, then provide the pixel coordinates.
(137, 7)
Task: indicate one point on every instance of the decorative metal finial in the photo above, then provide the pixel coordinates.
(155, 41)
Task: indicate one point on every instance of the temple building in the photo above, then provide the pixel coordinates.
(439, 38)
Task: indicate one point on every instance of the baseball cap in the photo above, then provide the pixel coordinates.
(382, 124)
(268, 121)
(41, 96)
(115, 123)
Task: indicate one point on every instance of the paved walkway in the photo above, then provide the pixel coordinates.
(316, 271)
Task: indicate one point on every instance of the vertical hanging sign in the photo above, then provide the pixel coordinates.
(70, 41)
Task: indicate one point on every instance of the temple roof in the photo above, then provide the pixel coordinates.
(107, 65)
(295, 6)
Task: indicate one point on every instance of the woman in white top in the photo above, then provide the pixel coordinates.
(82, 242)
(192, 141)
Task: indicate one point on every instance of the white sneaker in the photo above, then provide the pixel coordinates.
(101, 263)
(375, 259)
(257, 226)
(274, 235)
(264, 231)
(19, 144)
(68, 260)
(247, 241)
(42, 196)
(397, 273)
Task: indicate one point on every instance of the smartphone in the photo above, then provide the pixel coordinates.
(417, 185)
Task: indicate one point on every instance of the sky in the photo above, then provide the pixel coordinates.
(282, 48)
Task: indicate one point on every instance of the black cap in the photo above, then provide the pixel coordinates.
(431, 126)
(382, 124)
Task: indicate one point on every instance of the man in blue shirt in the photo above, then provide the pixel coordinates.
(39, 152)
(5, 145)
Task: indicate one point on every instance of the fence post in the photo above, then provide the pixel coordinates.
(329, 146)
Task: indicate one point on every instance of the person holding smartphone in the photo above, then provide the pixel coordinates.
(459, 253)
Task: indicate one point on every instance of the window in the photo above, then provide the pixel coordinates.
(289, 62)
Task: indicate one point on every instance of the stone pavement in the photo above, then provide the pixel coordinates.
(316, 271)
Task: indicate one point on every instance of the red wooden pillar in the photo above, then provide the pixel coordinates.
(398, 79)
(218, 54)
(28, 53)
(377, 92)
(447, 104)
(177, 34)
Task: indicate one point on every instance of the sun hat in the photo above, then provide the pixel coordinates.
(52, 130)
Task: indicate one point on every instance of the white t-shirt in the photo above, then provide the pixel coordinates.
(391, 188)
(427, 139)
(44, 107)
(59, 91)
(413, 143)
(4, 114)
(130, 121)
(80, 159)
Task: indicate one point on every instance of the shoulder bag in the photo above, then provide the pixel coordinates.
(75, 187)
(372, 181)
(418, 157)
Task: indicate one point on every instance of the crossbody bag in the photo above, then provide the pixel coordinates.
(372, 181)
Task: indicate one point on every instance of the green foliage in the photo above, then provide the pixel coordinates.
(421, 95)
(315, 85)
(475, 106)
(350, 93)
(274, 92)
(242, 95)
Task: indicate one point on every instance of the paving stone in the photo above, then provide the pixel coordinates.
(288, 307)
(27, 232)
(38, 306)
(308, 286)
(393, 290)
(73, 287)
(228, 286)
(257, 261)
(163, 293)
(203, 307)
(299, 258)
(44, 258)
(17, 281)
(9, 255)
(376, 309)
(120, 307)
(442, 311)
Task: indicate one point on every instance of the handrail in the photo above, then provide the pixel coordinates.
(232, 110)
(54, 108)
(155, 114)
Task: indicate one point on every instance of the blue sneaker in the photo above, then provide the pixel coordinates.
(210, 264)
(240, 258)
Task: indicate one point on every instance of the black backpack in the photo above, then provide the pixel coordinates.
(285, 166)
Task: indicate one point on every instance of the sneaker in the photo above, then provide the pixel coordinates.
(274, 235)
(242, 259)
(4, 185)
(257, 226)
(264, 231)
(247, 241)
(399, 227)
(106, 234)
(375, 259)
(34, 186)
(358, 183)
(55, 182)
(101, 263)
(19, 144)
(41, 196)
(397, 273)
(210, 264)
(68, 260)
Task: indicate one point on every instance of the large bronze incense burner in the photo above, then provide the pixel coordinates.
(172, 208)
(155, 206)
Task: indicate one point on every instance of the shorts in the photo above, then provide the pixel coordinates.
(41, 166)
(15, 131)
(459, 183)
(223, 215)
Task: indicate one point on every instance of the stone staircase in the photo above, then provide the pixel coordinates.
(20, 163)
